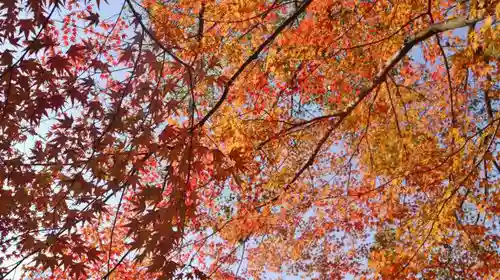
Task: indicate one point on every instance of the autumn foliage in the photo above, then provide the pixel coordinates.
(256, 139)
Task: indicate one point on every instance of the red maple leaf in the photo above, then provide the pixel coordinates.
(26, 26)
(58, 63)
(76, 51)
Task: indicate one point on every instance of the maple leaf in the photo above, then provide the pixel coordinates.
(157, 264)
(169, 269)
(76, 51)
(168, 133)
(26, 26)
(200, 275)
(77, 95)
(78, 269)
(126, 55)
(7, 57)
(46, 261)
(93, 19)
(59, 63)
(99, 65)
(8, 5)
(57, 101)
(238, 155)
(151, 193)
(93, 255)
(35, 46)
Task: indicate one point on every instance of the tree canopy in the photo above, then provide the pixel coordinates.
(249, 139)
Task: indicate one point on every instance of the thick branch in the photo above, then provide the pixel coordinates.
(379, 79)
(382, 74)
(254, 56)
(409, 44)
(201, 22)
(487, 101)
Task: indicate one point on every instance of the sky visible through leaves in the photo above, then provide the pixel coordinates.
(229, 139)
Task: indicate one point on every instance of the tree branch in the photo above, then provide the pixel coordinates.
(377, 81)
(408, 45)
(382, 74)
(153, 37)
(251, 58)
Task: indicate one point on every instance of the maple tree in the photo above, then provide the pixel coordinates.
(231, 139)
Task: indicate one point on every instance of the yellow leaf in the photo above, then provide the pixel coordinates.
(488, 22)
(372, 264)
(295, 253)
